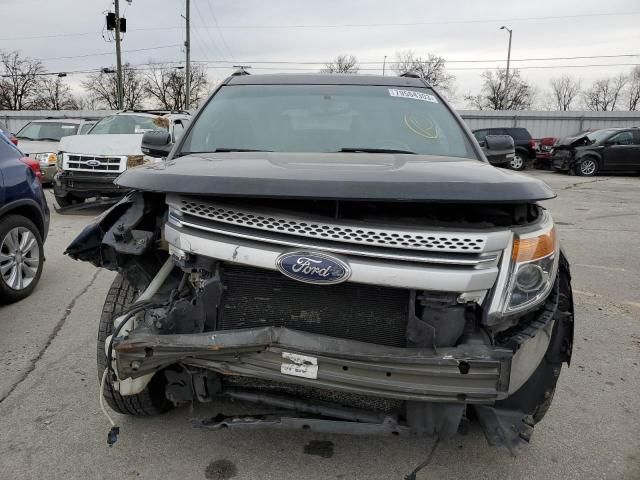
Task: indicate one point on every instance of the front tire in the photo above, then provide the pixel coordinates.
(517, 162)
(152, 400)
(587, 167)
(64, 201)
(21, 258)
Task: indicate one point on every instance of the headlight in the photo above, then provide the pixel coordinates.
(46, 159)
(59, 159)
(534, 262)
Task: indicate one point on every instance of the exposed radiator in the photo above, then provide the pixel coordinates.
(259, 298)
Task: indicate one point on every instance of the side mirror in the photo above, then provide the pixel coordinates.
(156, 143)
(499, 143)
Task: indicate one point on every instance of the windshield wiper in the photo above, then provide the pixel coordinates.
(222, 150)
(49, 139)
(375, 150)
(25, 138)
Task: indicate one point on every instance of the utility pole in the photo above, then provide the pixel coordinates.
(119, 57)
(384, 64)
(187, 47)
(506, 76)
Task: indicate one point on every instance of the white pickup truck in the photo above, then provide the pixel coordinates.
(88, 164)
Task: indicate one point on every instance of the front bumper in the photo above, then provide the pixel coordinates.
(466, 374)
(87, 184)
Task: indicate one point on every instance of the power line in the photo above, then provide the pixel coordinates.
(435, 22)
(110, 53)
(377, 62)
(213, 42)
(349, 25)
(215, 21)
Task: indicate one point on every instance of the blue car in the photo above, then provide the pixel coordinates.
(24, 223)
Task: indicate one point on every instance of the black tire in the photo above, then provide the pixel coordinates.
(587, 167)
(7, 224)
(64, 201)
(152, 400)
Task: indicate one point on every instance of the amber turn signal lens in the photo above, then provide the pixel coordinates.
(527, 249)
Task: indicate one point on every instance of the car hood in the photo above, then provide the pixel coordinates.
(356, 176)
(120, 144)
(570, 142)
(37, 146)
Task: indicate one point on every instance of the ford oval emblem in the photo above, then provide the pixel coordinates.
(313, 267)
(93, 163)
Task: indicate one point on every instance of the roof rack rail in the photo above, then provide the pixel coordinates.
(155, 111)
(409, 74)
(242, 70)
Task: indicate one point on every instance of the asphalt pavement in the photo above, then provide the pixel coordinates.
(51, 425)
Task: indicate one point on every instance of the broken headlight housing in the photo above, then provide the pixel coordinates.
(532, 270)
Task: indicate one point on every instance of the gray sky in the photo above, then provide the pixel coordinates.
(288, 30)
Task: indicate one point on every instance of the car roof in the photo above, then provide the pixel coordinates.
(155, 114)
(58, 120)
(324, 79)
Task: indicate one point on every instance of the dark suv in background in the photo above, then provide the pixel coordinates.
(524, 144)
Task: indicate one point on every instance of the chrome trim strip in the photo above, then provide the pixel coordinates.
(488, 260)
(374, 272)
(365, 233)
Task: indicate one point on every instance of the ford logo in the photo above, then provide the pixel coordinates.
(93, 163)
(313, 267)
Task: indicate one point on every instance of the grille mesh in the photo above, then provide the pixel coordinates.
(364, 235)
(261, 298)
(105, 164)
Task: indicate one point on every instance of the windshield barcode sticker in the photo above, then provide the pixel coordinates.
(425, 97)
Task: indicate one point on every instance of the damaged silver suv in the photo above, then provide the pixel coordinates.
(337, 251)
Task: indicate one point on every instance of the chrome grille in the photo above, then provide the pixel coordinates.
(94, 163)
(373, 239)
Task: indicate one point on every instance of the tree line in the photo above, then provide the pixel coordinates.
(500, 91)
(25, 84)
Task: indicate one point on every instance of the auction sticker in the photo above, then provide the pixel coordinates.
(425, 97)
(299, 365)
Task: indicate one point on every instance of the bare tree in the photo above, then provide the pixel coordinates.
(633, 91)
(500, 93)
(166, 85)
(102, 88)
(432, 68)
(605, 94)
(54, 94)
(342, 64)
(19, 81)
(565, 90)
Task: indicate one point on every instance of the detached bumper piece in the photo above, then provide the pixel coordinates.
(79, 182)
(470, 374)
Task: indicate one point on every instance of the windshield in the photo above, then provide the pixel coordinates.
(327, 118)
(86, 127)
(599, 135)
(128, 124)
(51, 131)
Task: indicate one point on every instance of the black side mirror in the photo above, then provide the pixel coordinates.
(499, 143)
(156, 143)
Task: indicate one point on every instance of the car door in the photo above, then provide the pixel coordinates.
(620, 151)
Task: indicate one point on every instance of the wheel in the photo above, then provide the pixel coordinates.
(517, 162)
(587, 167)
(64, 201)
(151, 401)
(21, 258)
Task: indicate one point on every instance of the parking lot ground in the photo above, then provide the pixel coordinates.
(51, 425)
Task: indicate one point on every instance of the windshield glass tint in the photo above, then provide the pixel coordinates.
(599, 135)
(129, 124)
(52, 131)
(327, 118)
